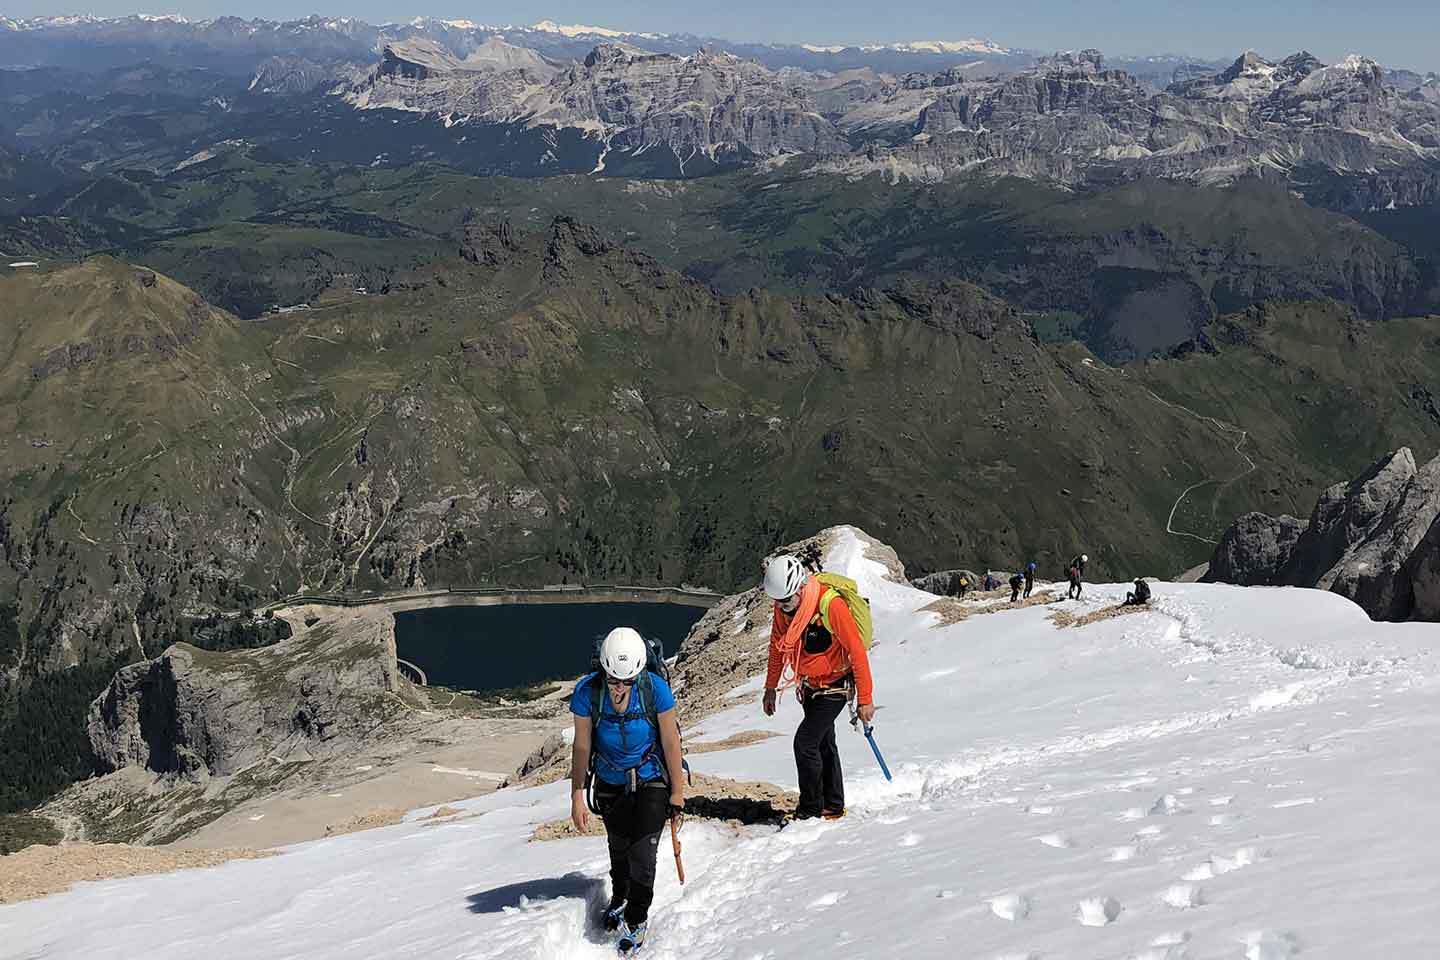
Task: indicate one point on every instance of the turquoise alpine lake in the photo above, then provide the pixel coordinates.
(517, 645)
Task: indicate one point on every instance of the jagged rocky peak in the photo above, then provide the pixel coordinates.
(1069, 61)
(1248, 64)
(1297, 66)
(417, 59)
(622, 55)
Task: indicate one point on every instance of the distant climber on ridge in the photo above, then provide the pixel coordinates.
(1016, 582)
(627, 747)
(1029, 578)
(1075, 573)
(1140, 595)
(818, 640)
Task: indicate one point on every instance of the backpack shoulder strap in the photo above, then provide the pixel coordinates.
(825, 598)
(645, 690)
(596, 691)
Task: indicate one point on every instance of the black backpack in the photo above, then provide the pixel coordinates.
(655, 666)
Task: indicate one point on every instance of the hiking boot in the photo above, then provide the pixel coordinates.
(832, 814)
(613, 916)
(631, 939)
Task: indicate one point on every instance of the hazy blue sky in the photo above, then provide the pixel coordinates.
(1396, 32)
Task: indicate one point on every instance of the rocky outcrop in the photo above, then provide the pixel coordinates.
(1344, 518)
(1375, 540)
(1377, 574)
(1424, 569)
(946, 583)
(488, 244)
(194, 713)
(1254, 549)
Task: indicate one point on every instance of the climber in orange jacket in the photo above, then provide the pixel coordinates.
(827, 668)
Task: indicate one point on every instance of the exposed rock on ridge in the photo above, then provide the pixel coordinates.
(195, 713)
(1375, 540)
(1253, 550)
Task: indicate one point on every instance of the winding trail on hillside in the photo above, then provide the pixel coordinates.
(1224, 428)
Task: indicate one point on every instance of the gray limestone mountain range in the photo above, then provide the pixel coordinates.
(1351, 135)
(1068, 119)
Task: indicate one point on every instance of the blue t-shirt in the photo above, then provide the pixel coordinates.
(622, 742)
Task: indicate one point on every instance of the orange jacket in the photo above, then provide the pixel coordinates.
(846, 654)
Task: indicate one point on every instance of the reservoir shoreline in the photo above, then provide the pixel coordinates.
(488, 597)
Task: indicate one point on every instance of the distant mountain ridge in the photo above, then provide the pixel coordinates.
(579, 99)
(53, 41)
(1070, 118)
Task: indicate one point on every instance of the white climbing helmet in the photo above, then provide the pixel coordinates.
(784, 576)
(622, 654)
(1084, 558)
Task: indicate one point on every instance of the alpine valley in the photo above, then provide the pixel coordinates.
(323, 307)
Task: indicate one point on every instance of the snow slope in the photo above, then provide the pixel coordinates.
(1238, 773)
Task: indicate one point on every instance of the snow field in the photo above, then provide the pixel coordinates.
(1235, 773)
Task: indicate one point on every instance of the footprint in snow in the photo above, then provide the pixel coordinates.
(1271, 945)
(828, 900)
(1011, 906)
(1098, 911)
(1183, 896)
(1219, 866)
(1057, 840)
(1166, 806)
(1167, 946)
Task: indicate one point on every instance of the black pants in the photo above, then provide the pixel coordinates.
(633, 824)
(1014, 592)
(1131, 600)
(817, 759)
(1029, 585)
(1074, 592)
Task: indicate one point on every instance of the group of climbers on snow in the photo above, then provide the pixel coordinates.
(626, 762)
(1075, 577)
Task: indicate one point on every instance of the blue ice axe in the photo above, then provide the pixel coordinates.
(870, 735)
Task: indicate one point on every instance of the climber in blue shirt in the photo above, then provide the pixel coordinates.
(625, 723)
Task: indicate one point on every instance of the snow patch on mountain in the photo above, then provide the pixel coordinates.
(573, 30)
(943, 46)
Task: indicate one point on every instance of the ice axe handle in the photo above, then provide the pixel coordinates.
(675, 843)
(875, 748)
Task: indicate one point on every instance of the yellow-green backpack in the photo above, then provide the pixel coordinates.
(849, 591)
